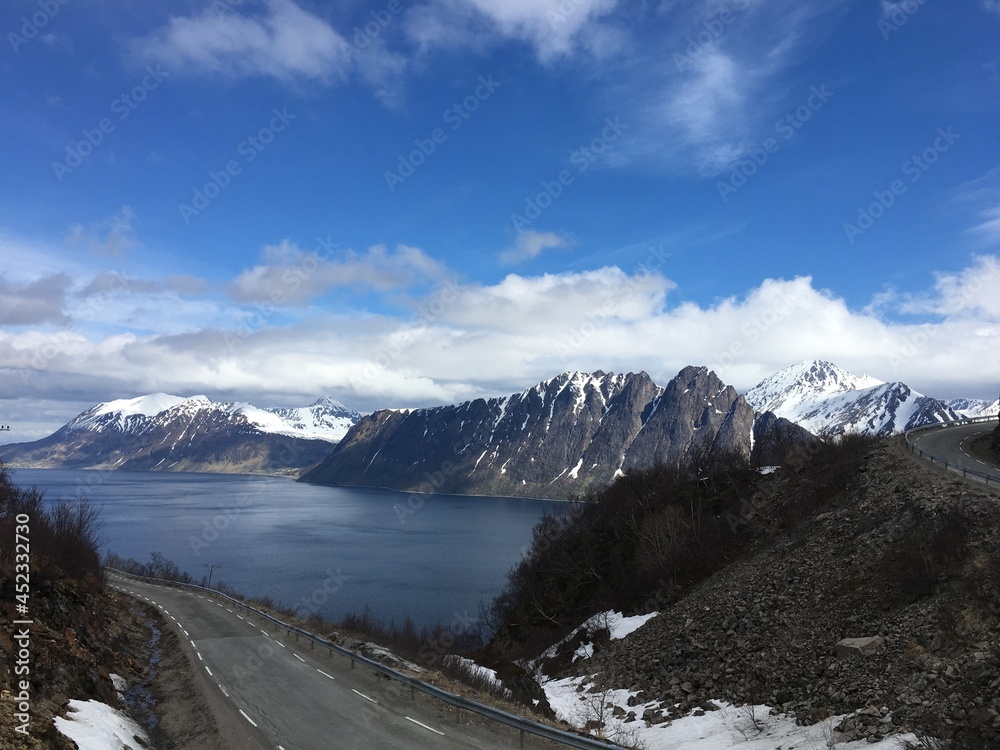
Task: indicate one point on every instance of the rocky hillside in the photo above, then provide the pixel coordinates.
(879, 548)
(554, 439)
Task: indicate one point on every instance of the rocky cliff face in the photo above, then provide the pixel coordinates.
(551, 440)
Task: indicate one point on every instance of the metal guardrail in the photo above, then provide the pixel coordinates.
(489, 712)
(965, 471)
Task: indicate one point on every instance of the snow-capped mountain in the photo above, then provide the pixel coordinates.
(826, 399)
(553, 439)
(974, 407)
(326, 419)
(160, 431)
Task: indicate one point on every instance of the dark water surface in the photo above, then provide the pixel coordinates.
(325, 549)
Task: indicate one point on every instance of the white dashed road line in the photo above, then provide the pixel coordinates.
(326, 675)
(299, 658)
(420, 724)
(247, 717)
(364, 696)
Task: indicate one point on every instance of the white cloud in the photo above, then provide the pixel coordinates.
(288, 275)
(283, 42)
(464, 341)
(970, 293)
(989, 227)
(553, 28)
(113, 237)
(710, 86)
(992, 6)
(35, 302)
(530, 243)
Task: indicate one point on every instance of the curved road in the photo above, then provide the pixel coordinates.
(267, 691)
(951, 445)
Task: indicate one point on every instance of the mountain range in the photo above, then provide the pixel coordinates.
(556, 438)
(551, 440)
(162, 432)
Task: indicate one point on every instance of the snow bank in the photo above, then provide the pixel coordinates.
(729, 728)
(93, 725)
(615, 622)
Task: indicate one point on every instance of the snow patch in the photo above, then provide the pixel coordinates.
(728, 728)
(93, 725)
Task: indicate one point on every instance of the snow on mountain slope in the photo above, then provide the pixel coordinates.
(974, 407)
(804, 384)
(823, 398)
(326, 419)
(118, 410)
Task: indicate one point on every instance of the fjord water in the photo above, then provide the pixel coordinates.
(327, 549)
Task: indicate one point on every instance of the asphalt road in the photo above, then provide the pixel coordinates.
(277, 693)
(951, 445)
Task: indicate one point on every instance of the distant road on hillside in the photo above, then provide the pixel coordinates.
(951, 444)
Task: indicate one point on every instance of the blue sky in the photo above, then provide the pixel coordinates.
(412, 203)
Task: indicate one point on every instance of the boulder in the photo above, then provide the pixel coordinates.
(859, 646)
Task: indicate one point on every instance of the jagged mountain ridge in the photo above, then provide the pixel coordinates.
(823, 398)
(553, 439)
(974, 407)
(162, 432)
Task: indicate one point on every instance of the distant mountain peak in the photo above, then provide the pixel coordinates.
(822, 397)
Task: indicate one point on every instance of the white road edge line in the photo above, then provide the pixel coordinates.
(421, 724)
(299, 658)
(364, 696)
(192, 645)
(199, 656)
(278, 642)
(326, 675)
(247, 717)
(209, 671)
(266, 633)
(223, 691)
